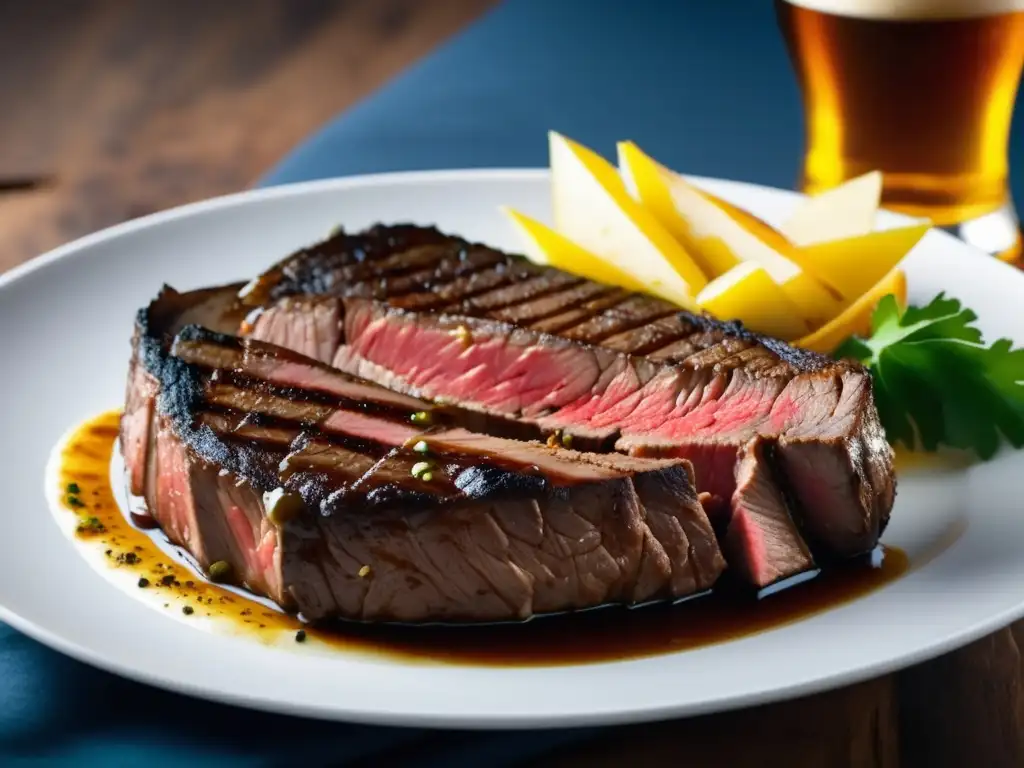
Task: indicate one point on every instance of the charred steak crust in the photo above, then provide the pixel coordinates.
(606, 366)
(515, 529)
(795, 357)
(313, 270)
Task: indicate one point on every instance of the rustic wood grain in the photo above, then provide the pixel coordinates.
(851, 728)
(120, 107)
(115, 108)
(965, 708)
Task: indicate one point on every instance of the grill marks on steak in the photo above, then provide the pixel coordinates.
(503, 529)
(592, 519)
(617, 368)
(197, 505)
(155, 325)
(704, 406)
(338, 404)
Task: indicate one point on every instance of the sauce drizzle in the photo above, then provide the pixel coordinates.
(608, 634)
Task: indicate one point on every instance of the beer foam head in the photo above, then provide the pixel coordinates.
(906, 10)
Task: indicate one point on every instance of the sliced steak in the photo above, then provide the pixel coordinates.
(305, 480)
(155, 325)
(763, 542)
(616, 369)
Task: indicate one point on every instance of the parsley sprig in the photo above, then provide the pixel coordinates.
(935, 380)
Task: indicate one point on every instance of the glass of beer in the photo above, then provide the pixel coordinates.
(922, 90)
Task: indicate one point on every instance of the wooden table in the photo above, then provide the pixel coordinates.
(117, 109)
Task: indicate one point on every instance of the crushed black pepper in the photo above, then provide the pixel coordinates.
(91, 524)
(125, 543)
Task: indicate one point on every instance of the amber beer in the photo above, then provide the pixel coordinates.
(921, 89)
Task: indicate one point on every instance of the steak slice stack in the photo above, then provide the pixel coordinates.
(437, 317)
(417, 428)
(339, 498)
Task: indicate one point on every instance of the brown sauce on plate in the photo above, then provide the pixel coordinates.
(605, 634)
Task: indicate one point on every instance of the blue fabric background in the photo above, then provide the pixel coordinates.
(704, 85)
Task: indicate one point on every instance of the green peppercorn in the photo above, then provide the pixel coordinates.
(143, 582)
(426, 477)
(300, 636)
(282, 506)
(420, 468)
(422, 417)
(188, 610)
(220, 570)
(567, 441)
(421, 447)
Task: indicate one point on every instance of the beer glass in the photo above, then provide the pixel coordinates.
(922, 90)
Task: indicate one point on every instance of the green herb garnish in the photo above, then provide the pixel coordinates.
(935, 380)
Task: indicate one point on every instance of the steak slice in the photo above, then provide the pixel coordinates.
(155, 325)
(613, 368)
(302, 479)
(763, 542)
(265, 381)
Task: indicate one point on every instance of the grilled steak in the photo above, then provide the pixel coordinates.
(437, 317)
(305, 480)
(763, 541)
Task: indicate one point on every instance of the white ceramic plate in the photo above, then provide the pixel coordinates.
(66, 321)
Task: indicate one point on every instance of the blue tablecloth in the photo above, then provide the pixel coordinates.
(704, 85)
